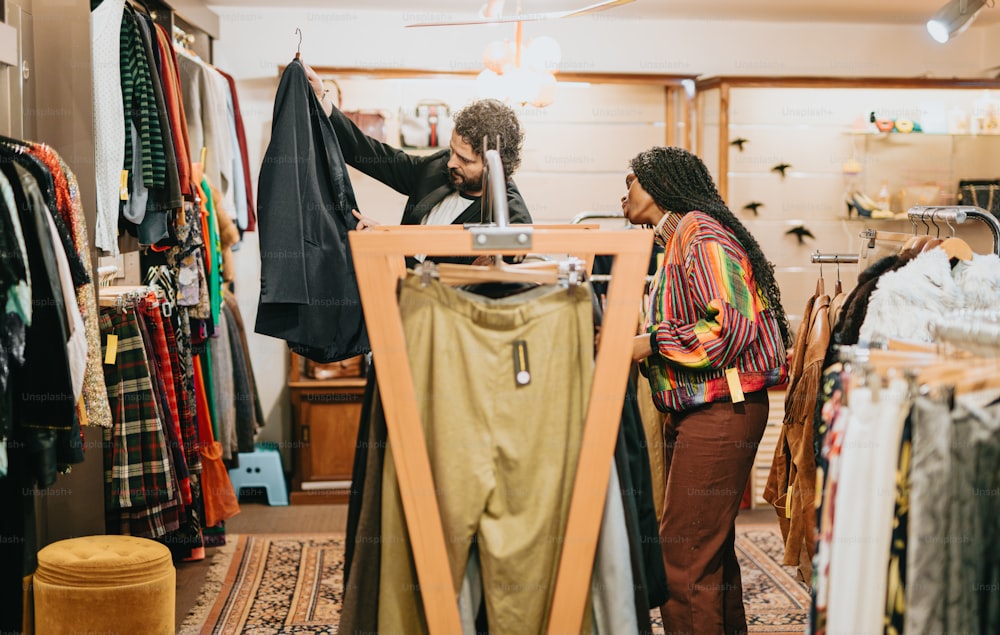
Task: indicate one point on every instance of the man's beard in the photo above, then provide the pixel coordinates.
(463, 184)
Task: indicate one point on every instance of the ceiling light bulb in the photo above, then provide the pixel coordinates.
(953, 18)
(546, 91)
(542, 53)
(498, 54)
(489, 85)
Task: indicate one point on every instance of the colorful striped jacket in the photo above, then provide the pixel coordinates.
(706, 316)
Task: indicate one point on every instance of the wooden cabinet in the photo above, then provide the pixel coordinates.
(325, 418)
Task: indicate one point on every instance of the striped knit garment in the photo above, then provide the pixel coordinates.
(140, 104)
(708, 317)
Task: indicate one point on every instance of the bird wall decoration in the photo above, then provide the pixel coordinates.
(780, 169)
(738, 142)
(753, 206)
(801, 233)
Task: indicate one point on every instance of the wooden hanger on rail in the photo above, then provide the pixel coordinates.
(955, 247)
(533, 272)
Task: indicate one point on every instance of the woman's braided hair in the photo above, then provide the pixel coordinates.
(678, 181)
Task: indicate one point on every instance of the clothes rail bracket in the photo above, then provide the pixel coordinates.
(501, 235)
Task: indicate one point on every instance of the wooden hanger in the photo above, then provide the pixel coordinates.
(964, 375)
(915, 243)
(955, 247)
(885, 236)
(884, 361)
(458, 275)
(975, 382)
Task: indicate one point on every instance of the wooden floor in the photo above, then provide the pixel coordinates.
(257, 517)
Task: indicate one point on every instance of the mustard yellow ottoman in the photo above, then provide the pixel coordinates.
(104, 584)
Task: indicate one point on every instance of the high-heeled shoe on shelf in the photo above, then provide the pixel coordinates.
(867, 208)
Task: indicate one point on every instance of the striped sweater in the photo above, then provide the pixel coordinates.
(706, 316)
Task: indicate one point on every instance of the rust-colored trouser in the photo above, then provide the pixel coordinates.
(709, 454)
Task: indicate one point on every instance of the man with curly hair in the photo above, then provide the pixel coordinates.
(445, 187)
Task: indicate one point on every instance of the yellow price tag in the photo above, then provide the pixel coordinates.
(111, 354)
(788, 503)
(123, 186)
(735, 389)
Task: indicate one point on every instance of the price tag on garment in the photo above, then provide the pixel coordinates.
(111, 354)
(788, 502)
(123, 186)
(522, 374)
(735, 389)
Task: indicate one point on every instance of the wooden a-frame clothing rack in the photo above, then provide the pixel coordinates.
(379, 263)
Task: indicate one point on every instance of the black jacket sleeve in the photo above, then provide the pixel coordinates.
(381, 161)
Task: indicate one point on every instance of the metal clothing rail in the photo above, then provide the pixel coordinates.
(975, 331)
(582, 216)
(817, 257)
(957, 214)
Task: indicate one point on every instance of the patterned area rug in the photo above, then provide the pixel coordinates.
(282, 584)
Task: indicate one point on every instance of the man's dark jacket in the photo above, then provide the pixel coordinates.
(308, 290)
(424, 179)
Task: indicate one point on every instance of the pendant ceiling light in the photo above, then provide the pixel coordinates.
(953, 18)
(520, 73)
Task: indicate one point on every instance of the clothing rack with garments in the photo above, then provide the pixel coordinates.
(155, 491)
(144, 174)
(187, 208)
(379, 261)
(193, 406)
(51, 379)
(891, 366)
(791, 480)
(908, 475)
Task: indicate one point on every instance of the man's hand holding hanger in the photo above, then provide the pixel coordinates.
(322, 92)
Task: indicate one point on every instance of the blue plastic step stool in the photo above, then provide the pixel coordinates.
(261, 468)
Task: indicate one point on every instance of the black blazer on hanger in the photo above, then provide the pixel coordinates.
(308, 290)
(424, 179)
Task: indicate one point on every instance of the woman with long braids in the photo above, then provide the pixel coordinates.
(715, 339)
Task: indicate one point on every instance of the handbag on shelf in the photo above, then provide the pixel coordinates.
(428, 125)
(984, 193)
(371, 122)
(350, 367)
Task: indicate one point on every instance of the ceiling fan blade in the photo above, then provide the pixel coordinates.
(594, 8)
(529, 17)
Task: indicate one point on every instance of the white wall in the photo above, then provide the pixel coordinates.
(254, 43)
